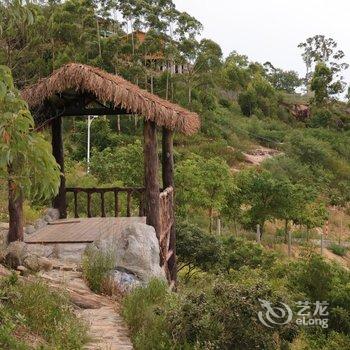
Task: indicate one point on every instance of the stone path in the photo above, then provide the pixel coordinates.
(107, 330)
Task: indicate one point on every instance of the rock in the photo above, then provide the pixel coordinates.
(53, 213)
(30, 229)
(36, 263)
(32, 263)
(124, 281)
(4, 272)
(137, 252)
(4, 232)
(40, 223)
(40, 250)
(45, 264)
(15, 254)
(48, 218)
(23, 270)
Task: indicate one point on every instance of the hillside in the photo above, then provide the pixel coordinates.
(259, 189)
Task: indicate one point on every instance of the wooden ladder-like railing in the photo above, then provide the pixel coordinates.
(130, 192)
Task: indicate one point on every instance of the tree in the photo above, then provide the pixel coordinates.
(25, 157)
(119, 164)
(313, 215)
(322, 84)
(202, 183)
(319, 49)
(282, 80)
(256, 193)
(259, 96)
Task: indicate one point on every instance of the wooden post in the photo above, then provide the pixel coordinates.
(168, 180)
(168, 158)
(218, 226)
(57, 150)
(152, 204)
(258, 234)
(15, 208)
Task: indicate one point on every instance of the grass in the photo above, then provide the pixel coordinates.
(144, 312)
(338, 249)
(97, 265)
(31, 311)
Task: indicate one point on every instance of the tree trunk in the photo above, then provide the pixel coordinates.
(98, 38)
(152, 190)
(288, 234)
(118, 124)
(168, 157)
(168, 180)
(57, 150)
(15, 208)
(210, 220)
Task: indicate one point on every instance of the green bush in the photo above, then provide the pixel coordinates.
(97, 265)
(145, 312)
(338, 249)
(216, 315)
(34, 307)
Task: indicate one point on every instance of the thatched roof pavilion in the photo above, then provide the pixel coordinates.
(81, 90)
(73, 87)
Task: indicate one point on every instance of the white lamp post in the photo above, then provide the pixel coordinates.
(90, 120)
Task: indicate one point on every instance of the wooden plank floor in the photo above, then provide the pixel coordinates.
(82, 230)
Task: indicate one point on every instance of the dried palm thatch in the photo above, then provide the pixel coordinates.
(109, 88)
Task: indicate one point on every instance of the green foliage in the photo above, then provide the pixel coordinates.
(144, 311)
(282, 80)
(320, 83)
(219, 315)
(201, 182)
(37, 309)
(124, 164)
(338, 249)
(23, 153)
(258, 98)
(97, 264)
(260, 196)
(196, 248)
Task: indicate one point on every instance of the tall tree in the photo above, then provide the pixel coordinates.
(318, 49)
(25, 157)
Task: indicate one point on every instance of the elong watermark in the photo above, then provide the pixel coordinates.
(309, 314)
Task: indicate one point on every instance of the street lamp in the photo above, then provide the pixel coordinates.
(90, 120)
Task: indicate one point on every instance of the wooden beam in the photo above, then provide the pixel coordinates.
(57, 150)
(152, 202)
(77, 111)
(167, 158)
(15, 208)
(168, 180)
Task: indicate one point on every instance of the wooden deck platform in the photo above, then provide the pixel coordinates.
(83, 230)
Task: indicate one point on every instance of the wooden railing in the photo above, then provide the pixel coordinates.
(130, 192)
(166, 224)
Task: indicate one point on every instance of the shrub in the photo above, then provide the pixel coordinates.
(40, 310)
(338, 249)
(144, 311)
(239, 252)
(197, 248)
(97, 265)
(224, 316)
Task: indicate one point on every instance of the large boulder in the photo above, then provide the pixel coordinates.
(15, 254)
(20, 254)
(54, 214)
(136, 252)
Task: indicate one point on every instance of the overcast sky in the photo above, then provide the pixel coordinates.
(270, 30)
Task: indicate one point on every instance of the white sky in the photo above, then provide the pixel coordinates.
(270, 30)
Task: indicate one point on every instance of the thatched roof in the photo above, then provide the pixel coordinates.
(109, 88)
